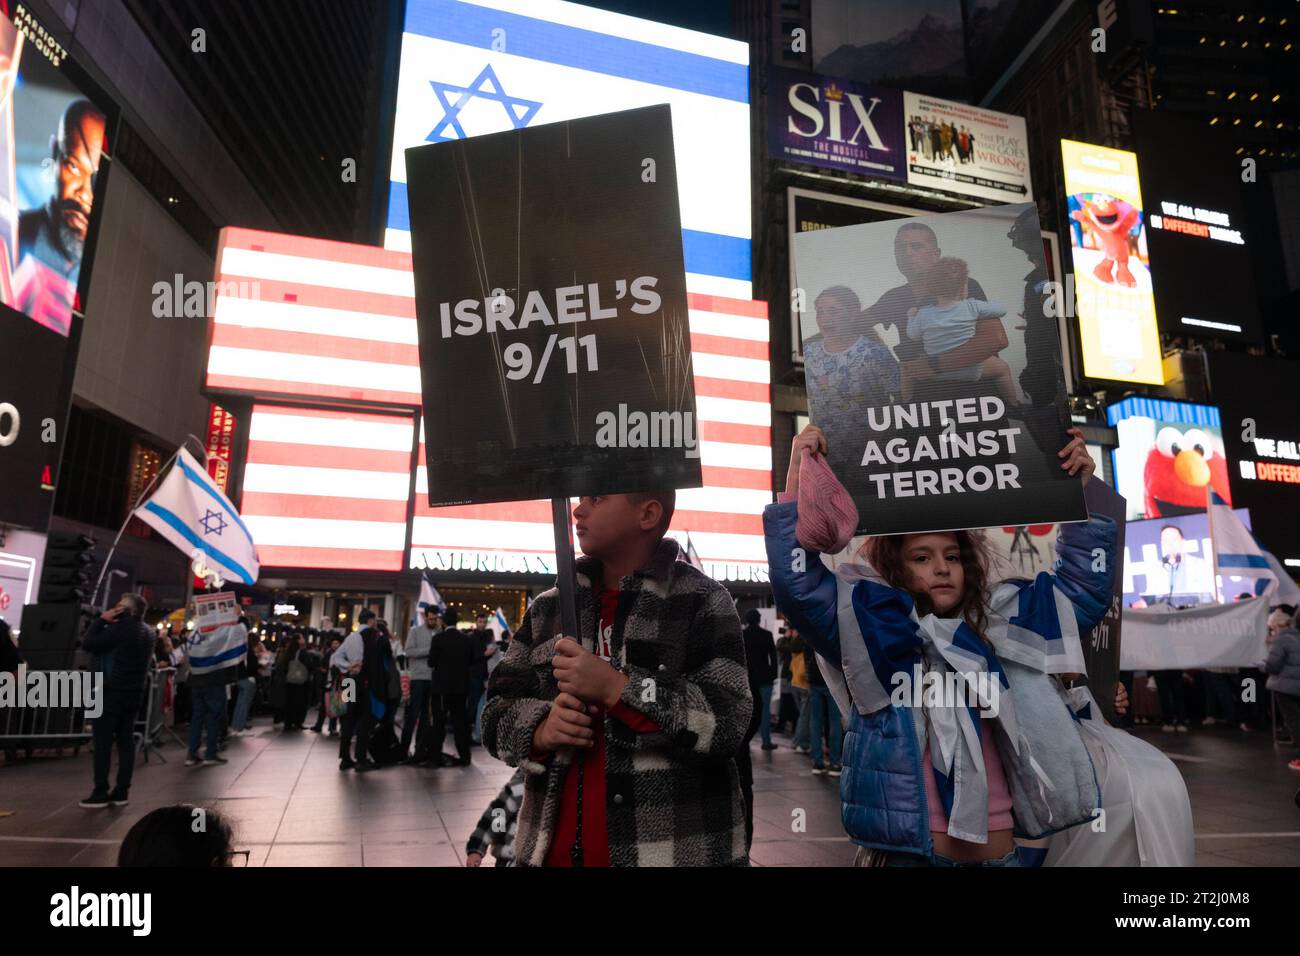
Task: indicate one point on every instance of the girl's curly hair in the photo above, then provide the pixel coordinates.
(886, 555)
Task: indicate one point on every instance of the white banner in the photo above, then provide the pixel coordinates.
(1211, 635)
(966, 149)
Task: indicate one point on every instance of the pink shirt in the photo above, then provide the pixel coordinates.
(999, 795)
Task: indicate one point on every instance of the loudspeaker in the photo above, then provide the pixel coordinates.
(50, 635)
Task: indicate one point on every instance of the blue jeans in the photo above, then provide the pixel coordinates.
(243, 703)
(209, 709)
(765, 717)
(822, 705)
(865, 856)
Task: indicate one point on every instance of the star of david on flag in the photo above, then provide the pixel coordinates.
(192, 513)
(486, 86)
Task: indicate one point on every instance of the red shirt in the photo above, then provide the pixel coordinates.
(595, 834)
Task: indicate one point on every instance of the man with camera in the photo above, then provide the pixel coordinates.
(122, 646)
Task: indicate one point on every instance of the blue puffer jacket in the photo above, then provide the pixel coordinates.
(867, 632)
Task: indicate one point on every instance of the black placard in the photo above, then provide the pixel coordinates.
(551, 297)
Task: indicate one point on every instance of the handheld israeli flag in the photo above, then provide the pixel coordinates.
(1236, 554)
(191, 512)
(499, 626)
(223, 647)
(429, 596)
(692, 556)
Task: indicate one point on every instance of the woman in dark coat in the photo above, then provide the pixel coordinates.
(291, 683)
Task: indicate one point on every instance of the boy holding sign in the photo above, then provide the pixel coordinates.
(626, 733)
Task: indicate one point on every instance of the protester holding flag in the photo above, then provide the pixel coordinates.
(415, 724)
(926, 783)
(214, 660)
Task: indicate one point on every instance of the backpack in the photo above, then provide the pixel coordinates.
(297, 673)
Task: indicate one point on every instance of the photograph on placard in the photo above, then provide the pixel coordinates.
(935, 372)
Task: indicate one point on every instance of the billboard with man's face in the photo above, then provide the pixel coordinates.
(52, 143)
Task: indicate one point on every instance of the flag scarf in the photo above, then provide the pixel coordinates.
(191, 512)
(222, 648)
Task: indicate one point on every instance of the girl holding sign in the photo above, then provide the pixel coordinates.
(959, 734)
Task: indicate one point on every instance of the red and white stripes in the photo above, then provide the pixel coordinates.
(308, 318)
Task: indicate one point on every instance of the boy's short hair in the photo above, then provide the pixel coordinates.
(667, 500)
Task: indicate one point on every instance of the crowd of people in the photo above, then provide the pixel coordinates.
(632, 739)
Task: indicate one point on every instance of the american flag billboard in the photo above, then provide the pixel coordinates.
(334, 323)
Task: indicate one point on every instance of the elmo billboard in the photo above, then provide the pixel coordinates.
(1108, 243)
(1169, 453)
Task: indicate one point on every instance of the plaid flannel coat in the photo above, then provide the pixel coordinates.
(673, 796)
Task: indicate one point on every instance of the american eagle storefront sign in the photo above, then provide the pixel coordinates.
(942, 409)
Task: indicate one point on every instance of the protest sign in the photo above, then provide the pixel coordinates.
(1161, 637)
(212, 611)
(555, 352)
(935, 372)
(1101, 646)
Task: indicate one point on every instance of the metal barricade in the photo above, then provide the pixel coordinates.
(42, 728)
(149, 723)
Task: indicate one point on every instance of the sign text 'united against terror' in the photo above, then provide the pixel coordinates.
(953, 444)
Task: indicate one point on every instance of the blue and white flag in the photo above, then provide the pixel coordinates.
(429, 596)
(474, 67)
(499, 623)
(223, 647)
(190, 511)
(1236, 553)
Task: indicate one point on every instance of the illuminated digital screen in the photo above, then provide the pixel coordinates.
(468, 69)
(1112, 275)
(1169, 453)
(1200, 247)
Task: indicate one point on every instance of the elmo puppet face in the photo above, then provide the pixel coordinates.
(1104, 211)
(1179, 468)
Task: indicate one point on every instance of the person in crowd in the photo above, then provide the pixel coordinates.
(416, 722)
(1283, 669)
(800, 687)
(823, 718)
(210, 692)
(485, 645)
(396, 644)
(937, 788)
(648, 704)
(1171, 685)
(495, 832)
(291, 681)
(245, 689)
(348, 663)
(328, 679)
(182, 699)
(762, 664)
(168, 836)
(386, 691)
(788, 713)
(122, 648)
(162, 650)
(452, 657)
